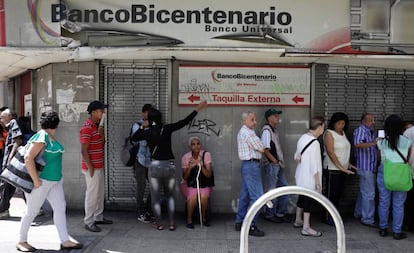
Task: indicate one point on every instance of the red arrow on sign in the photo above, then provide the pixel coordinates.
(193, 98)
(297, 99)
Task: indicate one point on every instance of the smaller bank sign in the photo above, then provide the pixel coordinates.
(244, 85)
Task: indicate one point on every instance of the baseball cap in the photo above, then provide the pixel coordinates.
(271, 112)
(95, 105)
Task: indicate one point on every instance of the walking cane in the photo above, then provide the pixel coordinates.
(198, 195)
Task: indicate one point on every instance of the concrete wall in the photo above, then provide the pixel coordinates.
(67, 88)
(219, 136)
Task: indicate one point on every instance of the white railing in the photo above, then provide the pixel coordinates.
(280, 191)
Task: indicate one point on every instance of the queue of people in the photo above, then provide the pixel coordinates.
(155, 163)
(370, 152)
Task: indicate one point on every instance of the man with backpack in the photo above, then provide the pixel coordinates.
(274, 167)
(141, 164)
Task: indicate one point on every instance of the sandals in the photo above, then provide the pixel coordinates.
(172, 227)
(297, 224)
(25, 247)
(306, 232)
(157, 226)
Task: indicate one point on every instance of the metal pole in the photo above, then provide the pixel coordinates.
(280, 191)
(199, 196)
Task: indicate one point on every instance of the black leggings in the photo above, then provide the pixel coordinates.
(335, 183)
(308, 204)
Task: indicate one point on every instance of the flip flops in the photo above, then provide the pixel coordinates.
(25, 247)
(157, 226)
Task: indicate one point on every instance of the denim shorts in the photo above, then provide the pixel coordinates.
(161, 169)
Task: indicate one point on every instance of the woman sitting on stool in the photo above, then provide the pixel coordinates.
(190, 163)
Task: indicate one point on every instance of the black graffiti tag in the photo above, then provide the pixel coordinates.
(204, 126)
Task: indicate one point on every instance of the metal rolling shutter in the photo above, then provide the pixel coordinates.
(355, 90)
(126, 87)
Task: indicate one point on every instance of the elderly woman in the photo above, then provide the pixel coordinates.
(191, 162)
(388, 147)
(48, 184)
(338, 150)
(308, 173)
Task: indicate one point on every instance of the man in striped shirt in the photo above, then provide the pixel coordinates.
(92, 149)
(365, 143)
(250, 149)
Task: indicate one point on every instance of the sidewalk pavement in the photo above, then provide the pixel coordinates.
(129, 235)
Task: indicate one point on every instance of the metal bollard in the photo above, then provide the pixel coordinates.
(280, 191)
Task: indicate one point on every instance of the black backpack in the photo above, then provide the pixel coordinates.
(129, 150)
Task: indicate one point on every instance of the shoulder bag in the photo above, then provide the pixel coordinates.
(397, 176)
(203, 180)
(16, 172)
(307, 146)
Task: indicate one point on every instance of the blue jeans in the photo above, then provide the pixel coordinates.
(275, 177)
(365, 205)
(251, 189)
(398, 199)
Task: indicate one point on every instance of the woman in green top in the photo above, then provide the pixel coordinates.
(48, 184)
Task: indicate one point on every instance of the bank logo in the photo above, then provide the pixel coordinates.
(45, 33)
(214, 77)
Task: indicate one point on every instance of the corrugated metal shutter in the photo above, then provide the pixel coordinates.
(127, 87)
(355, 90)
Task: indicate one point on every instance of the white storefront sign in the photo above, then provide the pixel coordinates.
(306, 26)
(244, 85)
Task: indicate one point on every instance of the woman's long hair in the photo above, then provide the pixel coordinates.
(393, 128)
(155, 124)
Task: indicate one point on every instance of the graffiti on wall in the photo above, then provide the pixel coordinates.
(203, 126)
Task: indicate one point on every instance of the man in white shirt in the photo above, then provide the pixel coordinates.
(250, 150)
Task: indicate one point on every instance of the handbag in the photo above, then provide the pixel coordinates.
(397, 176)
(16, 172)
(304, 149)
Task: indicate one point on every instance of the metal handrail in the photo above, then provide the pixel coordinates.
(280, 191)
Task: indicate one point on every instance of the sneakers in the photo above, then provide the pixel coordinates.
(372, 225)
(399, 236)
(284, 218)
(329, 221)
(93, 228)
(145, 218)
(5, 214)
(255, 231)
(273, 219)
(383, 232)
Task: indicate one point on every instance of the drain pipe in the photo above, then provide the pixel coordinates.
(280, 191)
